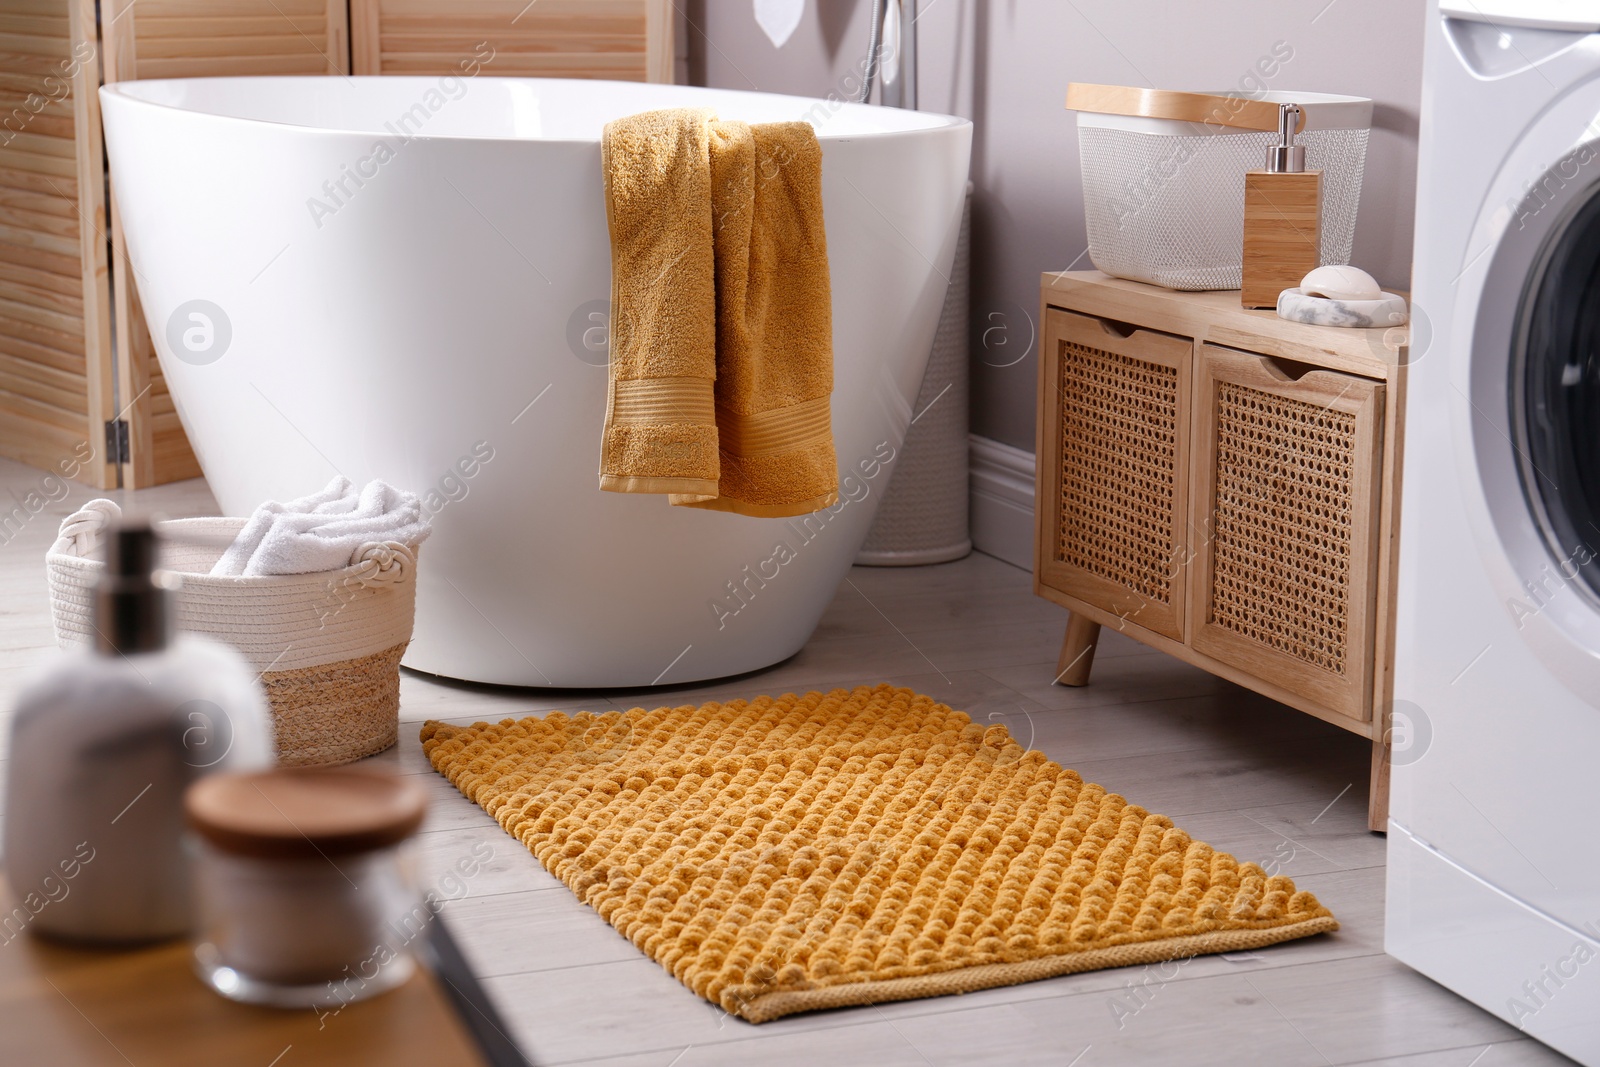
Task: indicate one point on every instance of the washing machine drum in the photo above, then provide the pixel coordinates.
(1555, 394)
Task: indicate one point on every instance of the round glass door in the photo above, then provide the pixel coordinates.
(1555, 394)
(1526, 430)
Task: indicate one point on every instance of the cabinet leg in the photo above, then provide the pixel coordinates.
(1077, 651)
(1378, 796)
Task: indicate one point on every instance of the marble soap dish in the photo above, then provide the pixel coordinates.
(1341, 296)
(1297, 305)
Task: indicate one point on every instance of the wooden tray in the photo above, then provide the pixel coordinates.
(62, 1005)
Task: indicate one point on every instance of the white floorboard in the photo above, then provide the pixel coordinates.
(1250, 776)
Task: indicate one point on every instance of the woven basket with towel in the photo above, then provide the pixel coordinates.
(327, 643)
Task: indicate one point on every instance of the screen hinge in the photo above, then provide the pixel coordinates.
(117, 448)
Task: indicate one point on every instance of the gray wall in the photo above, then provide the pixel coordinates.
(1006, 64)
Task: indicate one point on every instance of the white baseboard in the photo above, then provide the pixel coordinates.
(1002, 501)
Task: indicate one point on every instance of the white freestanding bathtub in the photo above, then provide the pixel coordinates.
(406, 278)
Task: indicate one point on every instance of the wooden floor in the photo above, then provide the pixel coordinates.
(1247, 775)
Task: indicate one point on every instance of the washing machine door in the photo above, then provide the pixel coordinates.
(1534, 366)
(1555, 396)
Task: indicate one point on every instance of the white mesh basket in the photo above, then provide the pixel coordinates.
(1163, 176)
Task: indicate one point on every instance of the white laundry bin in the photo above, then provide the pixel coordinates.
(923, 516)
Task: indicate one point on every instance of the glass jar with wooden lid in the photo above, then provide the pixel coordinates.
(306, 896)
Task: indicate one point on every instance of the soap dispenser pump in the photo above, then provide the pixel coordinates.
(1282, 218)
(103, 745)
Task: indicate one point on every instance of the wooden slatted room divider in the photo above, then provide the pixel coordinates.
(624, 40)
(55, 304)
(193, 39)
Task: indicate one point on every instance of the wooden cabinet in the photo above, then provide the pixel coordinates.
(1222, 485)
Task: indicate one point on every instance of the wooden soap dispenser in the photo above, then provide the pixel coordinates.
(1282, 218)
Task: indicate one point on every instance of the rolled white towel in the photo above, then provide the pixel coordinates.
(325, 531)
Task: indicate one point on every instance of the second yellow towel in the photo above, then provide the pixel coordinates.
(722, 335)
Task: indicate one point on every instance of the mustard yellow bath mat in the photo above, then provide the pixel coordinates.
(792, 853)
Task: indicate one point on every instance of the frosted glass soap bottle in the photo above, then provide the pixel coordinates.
(103, 745)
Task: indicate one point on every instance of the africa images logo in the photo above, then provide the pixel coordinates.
(199, 332)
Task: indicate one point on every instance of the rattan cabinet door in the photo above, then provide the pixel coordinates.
(1116, 429)
(1286, 486)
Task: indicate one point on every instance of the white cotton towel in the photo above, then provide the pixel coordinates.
(325, 531)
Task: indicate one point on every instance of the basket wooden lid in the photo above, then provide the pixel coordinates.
(297, 814)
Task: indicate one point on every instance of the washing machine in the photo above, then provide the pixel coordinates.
(1494, 832)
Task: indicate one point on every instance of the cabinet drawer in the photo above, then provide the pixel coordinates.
(1286, 494)
(1114, 498)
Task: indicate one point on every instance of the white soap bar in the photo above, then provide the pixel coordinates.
(1341, 283)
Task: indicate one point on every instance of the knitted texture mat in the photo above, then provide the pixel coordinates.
(784, 854)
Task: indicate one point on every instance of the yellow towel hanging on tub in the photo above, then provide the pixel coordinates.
(721, 326)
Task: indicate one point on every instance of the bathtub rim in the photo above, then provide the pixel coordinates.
(123, 91)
